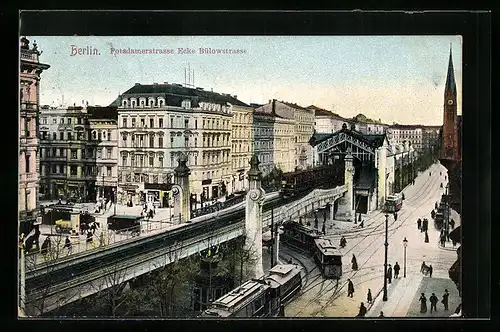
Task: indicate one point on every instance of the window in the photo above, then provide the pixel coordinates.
(203, 123)
(83, 153)
(109, 152)
(27, 160)
(62, 121)
(141, 141)
(124, 160)
(73, 153)
(186, 141)
(151, 123)
(109, 135)
(160, 161)
(70, 136)
(160, 142)
(69, 120)
(54, 121)
(151, 161)
(54, 169)
(143, 122)
(73, 170)
(99, 136)
(160, 123)
(171, 122)
(61, 136)
(54, 152)
(186, 123)
(124, 140)
(133, 140)
(108, 170)
(132, 161)
(195, 142)
(133, 122)
(141, 161)
(124, 122)
(79, 120)
(151, 141)
(99, 153)
(103, 134)
(54, 136)
(172, 142)
(196, 124)
(61, 152)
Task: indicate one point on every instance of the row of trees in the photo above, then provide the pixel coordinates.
(162, 292)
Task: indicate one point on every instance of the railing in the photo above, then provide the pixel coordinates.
(217, 206)
(28, 55)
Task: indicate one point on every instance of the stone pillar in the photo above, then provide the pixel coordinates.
(180, 191)
(346, 205)
(75, 221)
(381, 156)
(253, 220)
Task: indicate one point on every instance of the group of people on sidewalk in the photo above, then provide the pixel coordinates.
(433, 301)
(423, 227)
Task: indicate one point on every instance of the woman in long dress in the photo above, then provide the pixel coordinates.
(423, 303)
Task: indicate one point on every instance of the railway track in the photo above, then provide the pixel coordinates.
(405, 215)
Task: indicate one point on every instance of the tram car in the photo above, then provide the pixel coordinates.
(261, 297)
(393, 203)
(300, 236)
(328, 258)
(303, 181)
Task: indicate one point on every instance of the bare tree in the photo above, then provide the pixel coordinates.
(169, 278)
(239, 259)
(39, 300)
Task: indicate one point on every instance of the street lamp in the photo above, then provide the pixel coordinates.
(385, 259)
(405, 244)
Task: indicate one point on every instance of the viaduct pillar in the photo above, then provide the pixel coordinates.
(180, 190)
(253, 220)
(346, 204)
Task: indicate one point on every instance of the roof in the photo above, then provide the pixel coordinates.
(105, 112)
(176, 93)
(281, 273)
(294, 105)
(238, 298)
(326, 247)
(375, 140)
(450, 77)
(318, 111)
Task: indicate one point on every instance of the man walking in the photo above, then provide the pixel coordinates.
(389, 274)
(433, 300)
(444, 301)
(430, 271)
(369, 298)
(419, 223)
(350, 288)
(396, 270)
(362, 310)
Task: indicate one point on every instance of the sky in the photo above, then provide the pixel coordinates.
(393, 78)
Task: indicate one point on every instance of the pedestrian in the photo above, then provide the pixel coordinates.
(381, 314)
(362, 310)
(430, 271)
(343, 242)
(423, 304)
(444, 301)
(443, 240)
(433, 300)
(350, 288)
(425, 224)
(419, 223)
(423, 267)
(413, 181)
(396, 270)
(354, 263)
(403, 196)
(395, 216)
(45, 246)
(436, 205)
(67, 244)
(369, 298)
(389, 274)
(426, 237)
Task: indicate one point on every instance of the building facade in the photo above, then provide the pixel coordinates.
(303, 120)
(76, 143)
(241, 146)
(430, 138)
(158, 122)
(326, 121)
(29, 162)
(397, 134)
(103, 128)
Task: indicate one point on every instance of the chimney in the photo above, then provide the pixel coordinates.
(274, 106)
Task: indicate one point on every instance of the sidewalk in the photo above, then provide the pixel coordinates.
(403, 297)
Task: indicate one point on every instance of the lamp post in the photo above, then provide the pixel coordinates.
(405, 244)
(385, 259)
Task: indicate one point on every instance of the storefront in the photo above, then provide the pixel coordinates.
(128, 194)
(158, 193)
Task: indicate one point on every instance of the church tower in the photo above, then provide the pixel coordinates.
(450, 137)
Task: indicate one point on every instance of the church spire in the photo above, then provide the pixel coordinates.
(450, 78)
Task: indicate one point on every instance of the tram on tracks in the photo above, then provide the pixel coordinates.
(393, 203)
(328, 258)
(263, 297)
(300, 236)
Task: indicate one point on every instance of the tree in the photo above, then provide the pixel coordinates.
(238, 258)
(168, 279)
(40, 300)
